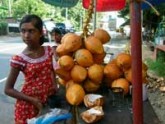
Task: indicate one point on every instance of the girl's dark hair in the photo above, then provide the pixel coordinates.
(36, 21)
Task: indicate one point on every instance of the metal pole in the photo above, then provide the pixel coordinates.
(9, 8)
(94, 23)
(135, 13)
(66, 14)
(142, 25)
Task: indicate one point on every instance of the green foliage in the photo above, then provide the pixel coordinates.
(76, 14)
(58, 14)
(150, 19)
(3, 9)
(125, 12)
(3, 28)
(157, 66)
(161, 56)
(22, 7)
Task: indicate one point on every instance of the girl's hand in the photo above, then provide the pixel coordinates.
(37, 103)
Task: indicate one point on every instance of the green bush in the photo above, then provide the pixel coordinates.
(161, 56)
(157, 66)
(3, 28)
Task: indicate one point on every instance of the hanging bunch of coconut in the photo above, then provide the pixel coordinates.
(80, 67)
(81, 62)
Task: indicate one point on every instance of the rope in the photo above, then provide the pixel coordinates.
(86, 32)
(156, 11)
(145, 1)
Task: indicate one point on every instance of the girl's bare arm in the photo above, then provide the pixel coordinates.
(11, 91)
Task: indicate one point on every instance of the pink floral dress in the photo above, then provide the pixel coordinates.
(38, 82)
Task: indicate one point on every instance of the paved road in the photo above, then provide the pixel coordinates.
(7, 48)
(13, 45)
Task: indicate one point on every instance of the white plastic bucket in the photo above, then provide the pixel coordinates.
(144, 86)
(144, 90)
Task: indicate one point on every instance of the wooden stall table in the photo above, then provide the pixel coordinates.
(118, 113)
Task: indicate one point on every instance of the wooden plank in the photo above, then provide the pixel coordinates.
(158, 48)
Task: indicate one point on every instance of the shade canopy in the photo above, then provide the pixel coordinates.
(106, 5)
(62, 3)
(153, 2)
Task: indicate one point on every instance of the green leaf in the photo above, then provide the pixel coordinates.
(3, 7)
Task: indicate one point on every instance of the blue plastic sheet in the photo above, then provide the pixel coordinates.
(54, 115)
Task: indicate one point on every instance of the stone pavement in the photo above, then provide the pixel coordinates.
(147, 53)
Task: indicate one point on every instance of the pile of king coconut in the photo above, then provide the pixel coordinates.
(81, 70)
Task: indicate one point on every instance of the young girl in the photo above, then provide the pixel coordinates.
(35, 61)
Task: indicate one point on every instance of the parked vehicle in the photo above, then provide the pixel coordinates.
(64, 27)
(13, 28)
(49, 24)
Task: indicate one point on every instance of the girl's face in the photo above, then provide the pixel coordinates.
(30, 34)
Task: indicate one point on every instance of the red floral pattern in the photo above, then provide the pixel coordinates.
(38, 82)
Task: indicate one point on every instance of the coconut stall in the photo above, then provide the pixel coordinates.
(98, 92)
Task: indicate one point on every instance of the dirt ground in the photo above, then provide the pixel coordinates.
(155, 95)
